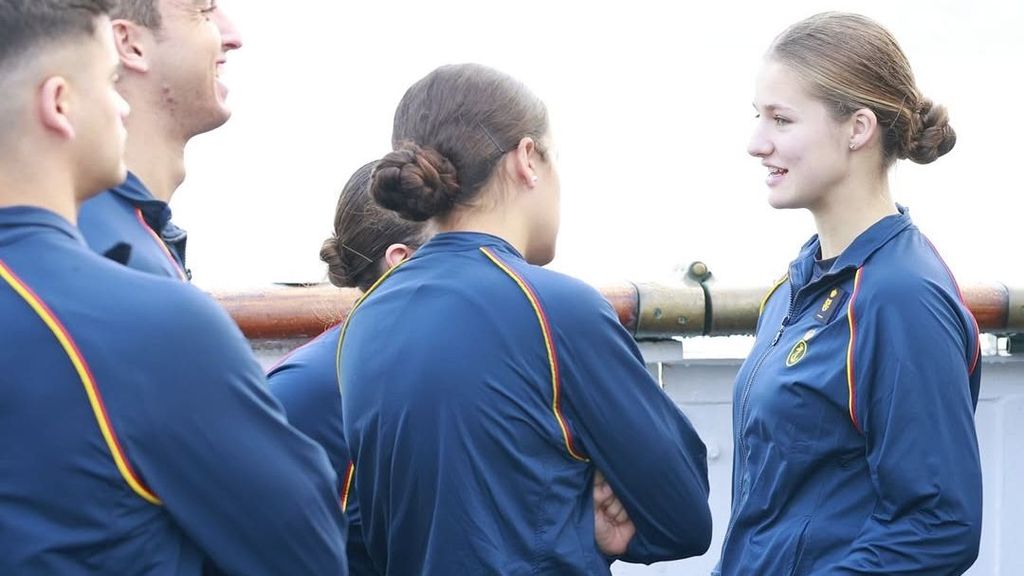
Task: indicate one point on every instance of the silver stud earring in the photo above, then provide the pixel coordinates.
(853, 146)
(534, 179)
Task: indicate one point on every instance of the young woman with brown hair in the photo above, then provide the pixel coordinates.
(855, 448)
(482, 392)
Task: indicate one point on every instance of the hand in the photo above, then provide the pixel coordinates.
(612, 527)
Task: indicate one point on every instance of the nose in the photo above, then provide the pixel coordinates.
(759, 144)
(230, 38)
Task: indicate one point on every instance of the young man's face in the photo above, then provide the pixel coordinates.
(97, 112)
(192, 46)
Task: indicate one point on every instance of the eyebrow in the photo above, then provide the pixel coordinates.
(774, 107)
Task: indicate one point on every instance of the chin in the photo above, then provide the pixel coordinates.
(115, 178)
(541, 257)
(211, 119)
(99, 183)
(782, 201)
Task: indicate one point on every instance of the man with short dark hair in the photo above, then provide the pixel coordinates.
(136, 436)
(171, 53)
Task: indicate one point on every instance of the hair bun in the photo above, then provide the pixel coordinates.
(417, 183)
(930, 135)
(340, 267)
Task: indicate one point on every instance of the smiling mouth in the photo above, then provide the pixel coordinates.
(777, 171)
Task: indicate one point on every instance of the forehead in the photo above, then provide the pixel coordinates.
(778, 85)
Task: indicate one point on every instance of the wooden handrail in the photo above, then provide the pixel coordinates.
(647, 310)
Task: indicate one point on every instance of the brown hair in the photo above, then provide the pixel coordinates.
(852, 62)
(362, 233)
(450, 129)
(27, 24)
(142, 12)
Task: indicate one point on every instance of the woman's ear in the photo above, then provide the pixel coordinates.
(523, 170)
(863, 126)
(396, 254)
(130, 41)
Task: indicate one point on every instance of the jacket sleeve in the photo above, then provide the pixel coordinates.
(306, 385)
(632, 431)
(255, 495)
(912, 364)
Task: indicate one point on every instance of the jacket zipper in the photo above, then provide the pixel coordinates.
(744, 398)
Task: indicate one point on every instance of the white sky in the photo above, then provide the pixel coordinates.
(651, 106)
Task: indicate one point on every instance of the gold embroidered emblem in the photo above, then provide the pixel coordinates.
(797, 353)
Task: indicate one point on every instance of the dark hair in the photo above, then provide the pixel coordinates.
(27, 24)
(143, 12)
(852, 62)
(450, 129)
(362, 233)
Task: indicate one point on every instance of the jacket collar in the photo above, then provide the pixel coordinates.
(17, 218)
(857, 253)
(461, 241)
(156, 212)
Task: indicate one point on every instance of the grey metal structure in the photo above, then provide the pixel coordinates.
(702, 387)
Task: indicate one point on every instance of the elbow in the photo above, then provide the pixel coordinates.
(962, 540)
(972, 530)
(972, 540)
(702, 535)
(695, 540)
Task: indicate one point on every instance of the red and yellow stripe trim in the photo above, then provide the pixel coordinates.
(977, 330)
(764, 301)
(87, 379)
(350, 474)
(346, 490)
(355, 305)
(160, 242)
(850, 374)
(549, 345)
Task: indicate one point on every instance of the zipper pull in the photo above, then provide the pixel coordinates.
(778, 334)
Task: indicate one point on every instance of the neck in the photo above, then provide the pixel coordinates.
(851, 209)
(35, 182)
(155, 153)
(500, 221)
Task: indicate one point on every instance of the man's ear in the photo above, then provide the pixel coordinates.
(863, 127)
(396, 253)
(53, 104)
(130, 40)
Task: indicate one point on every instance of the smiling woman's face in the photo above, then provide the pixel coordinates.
(804, 149)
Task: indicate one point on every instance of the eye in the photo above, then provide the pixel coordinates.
(209, 9)
(780, 121)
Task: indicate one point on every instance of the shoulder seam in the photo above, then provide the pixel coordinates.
(771, 291)
(85, 375)
(850, 373)
(976, 355)
(549, 346)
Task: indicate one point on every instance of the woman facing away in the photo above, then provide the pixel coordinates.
(477, 431)
(367, 240)
(855, 447)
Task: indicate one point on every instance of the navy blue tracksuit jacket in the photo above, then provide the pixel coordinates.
(480, 393)
(305, 382)
(128, 225)
(136, 435)
(855, 447)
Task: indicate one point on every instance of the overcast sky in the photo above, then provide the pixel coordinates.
(651, 107)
